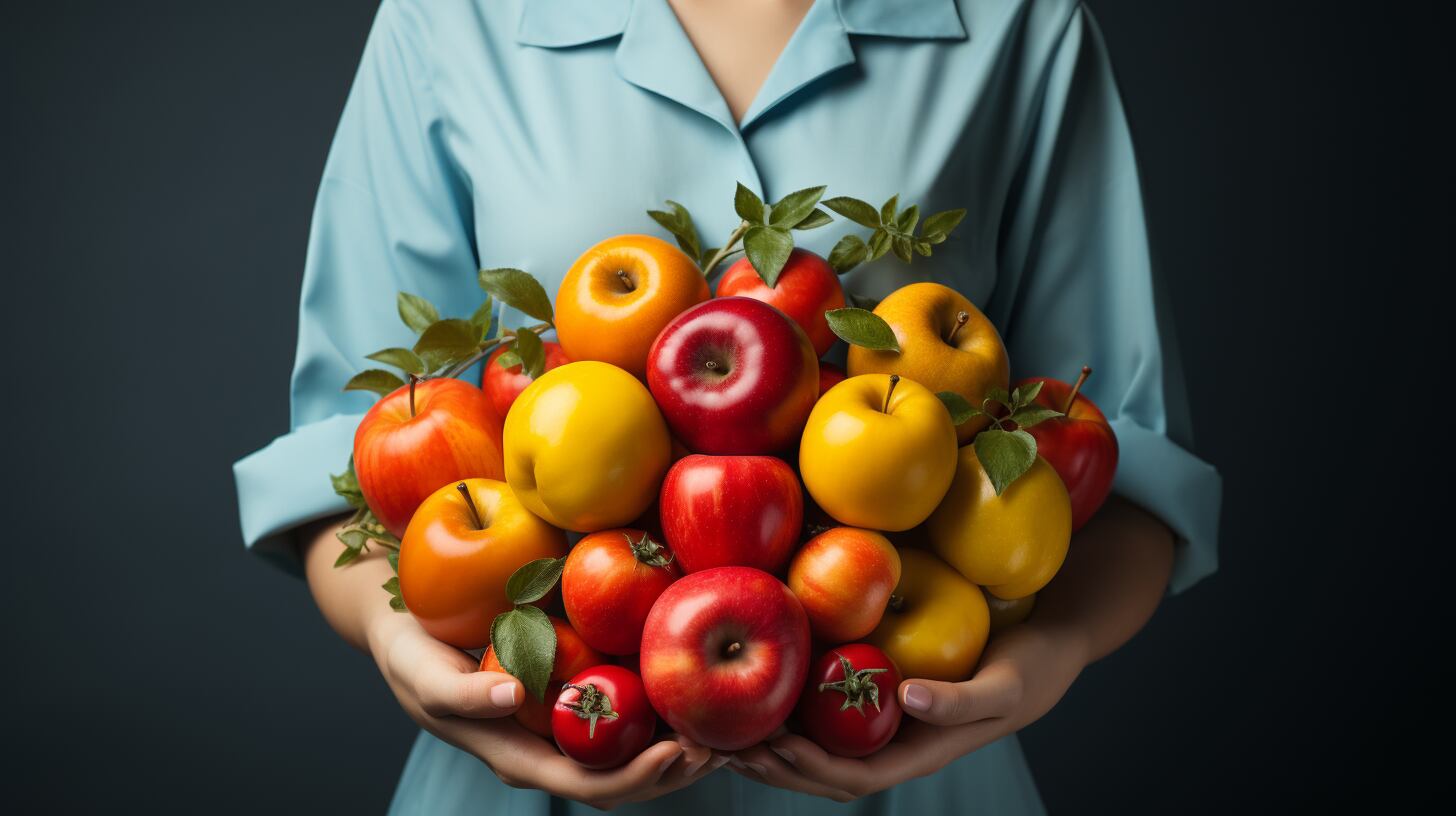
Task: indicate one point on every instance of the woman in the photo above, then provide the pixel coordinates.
(519, 133)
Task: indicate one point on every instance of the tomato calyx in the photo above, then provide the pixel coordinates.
(649, 552)
(858, 686)
(592, 705)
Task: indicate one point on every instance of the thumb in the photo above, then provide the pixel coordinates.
(985, 696)
(445, 691)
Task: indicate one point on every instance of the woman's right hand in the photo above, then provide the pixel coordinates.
(439, 687)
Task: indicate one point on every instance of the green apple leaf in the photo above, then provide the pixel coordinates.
(847, 254)
(707, 256)
(347, 556)
(393, 559)
(508, 359)
(532, 353)
(998, 394)
(1025, 394)
(794, 207)
(396, 600)
(768, 250)
(346, 486)
(377, 380)
(937, 227)
(534, 579)
(879, 244)
(525, 645)
(908, 219)
(481, 319)
(922, 248)
(416, 312)
(447, 342)
(748, 205)
(887, 211)
(862, 328)
(679, 223)
(517, 290)
(961, 411)
(860, 212)
(901, 245)
(1005, 455)
(1030, 415)
(401, 358)
(814, 220)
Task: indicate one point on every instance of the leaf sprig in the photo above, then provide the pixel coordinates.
(764, 229)
(1005, 449)
(894, 230)
(523, 637)
(363, 528)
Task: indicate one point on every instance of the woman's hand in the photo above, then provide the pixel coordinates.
(1023, 674)
(439, 687)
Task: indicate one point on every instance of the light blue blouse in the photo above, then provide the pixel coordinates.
(515, 133)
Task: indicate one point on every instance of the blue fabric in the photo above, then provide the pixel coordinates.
(517, 134)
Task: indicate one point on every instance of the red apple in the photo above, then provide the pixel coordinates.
(734, 376)
(503, 384)
(720, 511)
(805, 290)
(1081, 446)
(724, 655)
(420, 438)
(830, 375)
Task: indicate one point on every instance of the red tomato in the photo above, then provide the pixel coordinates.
(609, 583)
(602, 717)
(572, 657)
(503, 384)
(849, 707)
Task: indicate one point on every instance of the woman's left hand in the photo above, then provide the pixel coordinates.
(1024, 672)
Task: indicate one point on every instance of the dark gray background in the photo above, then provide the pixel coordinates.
(160, 161)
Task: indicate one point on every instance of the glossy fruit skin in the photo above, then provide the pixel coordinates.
(731, 511)
(843, 577)
(1010, 544)
(599, 318)
(503, 384)
(453, 574)
(401, 459)
(922, 316)
(612, 742)
(1081, 447)
(608, 591)
(855, 731)
(734, 376)
(875, 470)
(572, 658)
(938, 627)
(806, 288)
(830, 375)
(585, 447)
(717, 696)
(1006, 614)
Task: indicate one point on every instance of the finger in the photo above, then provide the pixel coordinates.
(695, 757)
(636, 780)
(443, 690)
(991, 693)
(763, 765)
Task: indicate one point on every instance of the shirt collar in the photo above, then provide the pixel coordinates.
(565, 23)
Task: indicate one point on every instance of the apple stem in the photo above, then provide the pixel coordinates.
(896, 603)
(894, 381)
(414, 380)
(734, 648)
(962, 317)
(725, 250)
(626, 280)
(470, 502)
(1077, 388)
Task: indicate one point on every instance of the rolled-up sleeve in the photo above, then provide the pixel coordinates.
(392, 214)
(1075, 286)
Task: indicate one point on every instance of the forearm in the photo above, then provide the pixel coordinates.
(349, 598)
(1115, 574)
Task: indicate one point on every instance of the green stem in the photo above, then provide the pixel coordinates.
(727, 248)
(485, 349)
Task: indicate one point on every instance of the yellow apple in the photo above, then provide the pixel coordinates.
(878, 452)
(585, 447)
(936, 625)
(946, 344)
(1010, 544)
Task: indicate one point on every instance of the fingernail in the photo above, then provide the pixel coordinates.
(503, 695)
(917, 698)
(756, 768)
(785, 753)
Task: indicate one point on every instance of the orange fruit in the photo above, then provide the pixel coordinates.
(619, 294)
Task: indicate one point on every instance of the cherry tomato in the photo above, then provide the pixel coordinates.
(602, 718)
(609, 583)
(848, 706)
(572, 657)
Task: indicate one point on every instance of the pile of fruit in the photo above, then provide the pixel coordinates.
(760, 537)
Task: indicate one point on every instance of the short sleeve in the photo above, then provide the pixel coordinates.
(1075, 286)
(392, 214)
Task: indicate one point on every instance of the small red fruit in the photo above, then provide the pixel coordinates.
(806, 289)
(848, 707)
(1081, 446)
(609, 584)
(602, 718)
(572, 657)
(830, 375)
(503, 384)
